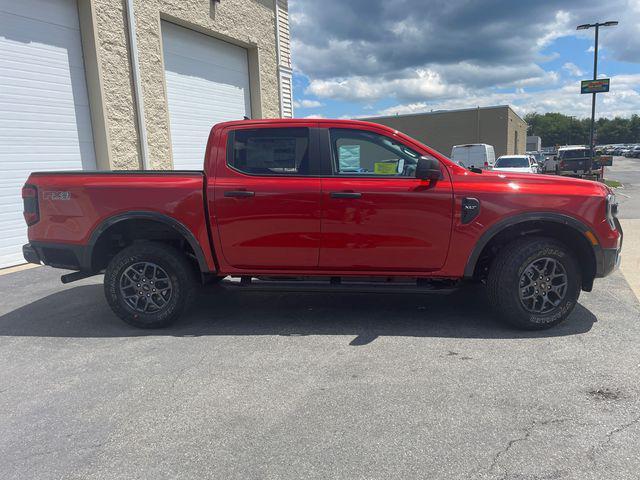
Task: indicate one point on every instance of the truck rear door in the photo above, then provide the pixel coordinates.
(265, 197)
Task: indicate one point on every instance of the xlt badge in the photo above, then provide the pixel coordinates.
(470, 209)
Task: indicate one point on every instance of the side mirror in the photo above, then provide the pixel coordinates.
(428, 169)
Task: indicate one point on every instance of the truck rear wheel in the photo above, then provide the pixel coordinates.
(149, 285)
(534, 283)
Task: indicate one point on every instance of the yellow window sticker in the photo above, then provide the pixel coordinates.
(386, 168)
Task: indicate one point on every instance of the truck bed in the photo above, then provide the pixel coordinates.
(74, 206)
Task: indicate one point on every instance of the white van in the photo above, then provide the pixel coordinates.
(478, 155)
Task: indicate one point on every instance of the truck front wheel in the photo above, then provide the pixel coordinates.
(534, 283)
(149, 285)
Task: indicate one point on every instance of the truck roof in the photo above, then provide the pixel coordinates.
(572, 147)
(298, 121)
(472, 145)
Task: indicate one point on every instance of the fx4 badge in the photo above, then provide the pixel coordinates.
(56, 195)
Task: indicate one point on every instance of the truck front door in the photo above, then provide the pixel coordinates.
(377, 216)
(265, 199)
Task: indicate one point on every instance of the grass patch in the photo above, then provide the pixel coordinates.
(613, 183)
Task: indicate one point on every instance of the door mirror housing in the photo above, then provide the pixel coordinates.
(428, 169)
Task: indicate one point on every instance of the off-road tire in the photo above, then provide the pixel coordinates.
(179, 270)
(505, 273)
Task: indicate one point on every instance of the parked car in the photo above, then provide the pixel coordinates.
(623, 151)
(575, 161)
(538, 158)
(633, 152)
(323, 205)
(476, 155)
(516, 163)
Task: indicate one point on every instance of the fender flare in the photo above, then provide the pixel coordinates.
(498, 227)
(145, 215)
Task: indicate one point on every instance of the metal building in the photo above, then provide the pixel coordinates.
(499, 126)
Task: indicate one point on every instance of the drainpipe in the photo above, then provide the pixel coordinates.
(137, 87)
(276, 9)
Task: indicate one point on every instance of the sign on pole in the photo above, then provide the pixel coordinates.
(595, 86)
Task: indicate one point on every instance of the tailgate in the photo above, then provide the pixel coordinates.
(576, 165)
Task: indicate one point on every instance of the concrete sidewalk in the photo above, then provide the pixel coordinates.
(630, 265)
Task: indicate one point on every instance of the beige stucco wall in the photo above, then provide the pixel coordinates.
(247, 23)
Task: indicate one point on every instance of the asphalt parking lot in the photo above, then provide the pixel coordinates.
(254, 385)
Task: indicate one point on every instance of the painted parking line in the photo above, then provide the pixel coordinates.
(630, 265)
(17, 268)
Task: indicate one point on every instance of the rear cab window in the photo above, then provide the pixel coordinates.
(269, 151)
(513, 162)
(572, 154)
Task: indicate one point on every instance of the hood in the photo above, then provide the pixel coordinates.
(538, 179)
(556, 182)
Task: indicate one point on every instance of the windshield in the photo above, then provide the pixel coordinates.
(512, 162)
(579, 153)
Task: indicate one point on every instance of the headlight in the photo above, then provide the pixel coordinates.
(612, 210)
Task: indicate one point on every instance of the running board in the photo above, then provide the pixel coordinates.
(75, 276)
(338, 284)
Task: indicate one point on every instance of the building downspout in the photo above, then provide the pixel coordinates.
(283, 69)
(137, 87)
(278, 55)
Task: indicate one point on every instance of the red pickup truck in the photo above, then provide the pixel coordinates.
(324, 205)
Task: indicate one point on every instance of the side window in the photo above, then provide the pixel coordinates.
(359, 152)
(269, 151)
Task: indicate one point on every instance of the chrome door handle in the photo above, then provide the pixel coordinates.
(346, 195)
(239, 194)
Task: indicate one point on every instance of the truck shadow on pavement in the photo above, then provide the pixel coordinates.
(82, 312)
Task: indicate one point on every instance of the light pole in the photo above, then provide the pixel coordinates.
(597, 26)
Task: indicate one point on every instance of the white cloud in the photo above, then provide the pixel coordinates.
(573, 69)
(623, 40)
(623, 100)
(427, 84)
(561, 26)
(423, 83)
(457, 53)
(307, 103)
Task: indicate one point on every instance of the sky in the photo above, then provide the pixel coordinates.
(364, 58)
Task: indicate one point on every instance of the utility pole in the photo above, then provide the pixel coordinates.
(593, 95)
(597, 26)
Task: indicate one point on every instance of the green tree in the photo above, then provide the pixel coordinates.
(634, 128)
(613, 131)
(558, 129)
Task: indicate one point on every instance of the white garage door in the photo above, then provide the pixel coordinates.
(207, 83)
(44, 111)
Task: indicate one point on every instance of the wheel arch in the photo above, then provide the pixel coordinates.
(146, 216)
(555, 225)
